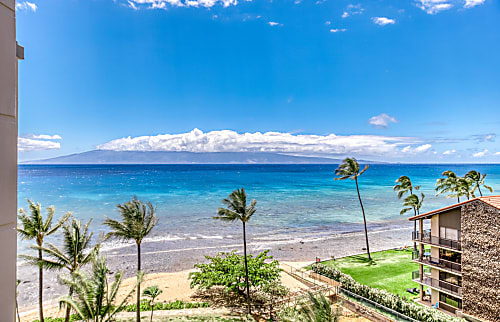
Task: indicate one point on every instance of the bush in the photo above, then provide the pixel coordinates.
(382, 297)
(228, 270)
(177, 305)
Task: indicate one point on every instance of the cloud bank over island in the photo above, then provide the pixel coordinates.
(280, 142)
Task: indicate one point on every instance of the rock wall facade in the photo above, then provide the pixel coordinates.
(481, 260)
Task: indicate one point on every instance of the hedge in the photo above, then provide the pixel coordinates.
(382, 297)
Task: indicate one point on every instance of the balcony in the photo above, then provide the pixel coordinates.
(446, 287)
(427, 238)
(437, 262)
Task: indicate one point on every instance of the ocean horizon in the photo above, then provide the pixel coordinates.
(294, 202)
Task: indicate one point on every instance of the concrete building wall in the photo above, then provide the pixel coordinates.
(481, 260)
(8, 159)
(435, 225)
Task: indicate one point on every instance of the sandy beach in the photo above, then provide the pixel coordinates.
(166, 260)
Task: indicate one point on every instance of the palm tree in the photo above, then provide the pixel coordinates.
(152, 292)
(349, 169)
(138, 219)
(465, 187)
(75, 253)
(412, 202)
(93, 298)
(404, 185)
(478, 179)
(237, 209)
(34, 227)
(449, 184)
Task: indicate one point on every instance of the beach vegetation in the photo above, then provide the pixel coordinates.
(412, 202)
(138, 218)
(313, 308)
(272, 292)
(152, 293)
(94, 298)
(33, 226)
(75, 252)
(147, 305)
(478, 180)
(383, 297)
(454, 186)
(350, 169)
(404, 186)
(238, 210)
(228, 270)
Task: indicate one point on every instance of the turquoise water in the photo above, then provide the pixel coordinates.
(294, 201)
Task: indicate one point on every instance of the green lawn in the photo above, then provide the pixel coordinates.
(390, 270)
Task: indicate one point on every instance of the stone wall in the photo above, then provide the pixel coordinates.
(481, 260)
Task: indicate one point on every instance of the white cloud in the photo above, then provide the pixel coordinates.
(338, 30)
(434, 6)
(274, 23)
(481, 154)
(328, 22)
(496, 153)
(352, 9)
(382, 120)
(473, 3)
(382, 21)
(26, 5)
(231, 141)
(414, 150)
(164, 4)
(27, 145)
(46, 137)
(449, 152)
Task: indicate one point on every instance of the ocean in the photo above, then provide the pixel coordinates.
(294, 202)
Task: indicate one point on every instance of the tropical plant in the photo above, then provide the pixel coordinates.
(314, 308)
(35, 227)
(227, 270)
(403, 186)
(93, 298)
(274, 291)
(350, 169)
(449, 185)
(478, 179)
(152, 293)
(413, 202)
(237, 209)
(465, 187)
(138, 219)
(76, 251)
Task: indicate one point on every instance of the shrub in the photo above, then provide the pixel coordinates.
(389, 300)
(176, 305)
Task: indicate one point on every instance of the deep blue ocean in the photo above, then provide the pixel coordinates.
(293, 201)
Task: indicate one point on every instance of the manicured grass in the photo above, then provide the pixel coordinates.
(389, 270)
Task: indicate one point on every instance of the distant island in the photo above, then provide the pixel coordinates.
(174, 157)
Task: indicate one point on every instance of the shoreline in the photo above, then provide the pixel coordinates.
(162, 257)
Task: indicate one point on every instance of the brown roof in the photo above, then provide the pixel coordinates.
(493, 201)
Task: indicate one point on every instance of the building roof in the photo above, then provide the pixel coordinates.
(493, 201)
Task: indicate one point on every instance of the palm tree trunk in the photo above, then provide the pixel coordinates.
(68, 308)
(40, 287)
(246, 268)
(479, 190)
(138, 312)
(364, 219)
(152, 309)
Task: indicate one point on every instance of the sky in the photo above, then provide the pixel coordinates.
(396, 80)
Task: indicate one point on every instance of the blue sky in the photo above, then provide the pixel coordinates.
(404, 81)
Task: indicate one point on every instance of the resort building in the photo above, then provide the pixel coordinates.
(9, 53)
(459, 258)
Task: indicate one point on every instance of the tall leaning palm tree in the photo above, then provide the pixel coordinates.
(350, 169)
(35, 227)
(237, 209)
(465, 187)
(76, 251)
(405, 186)
(478, 179)
(138, 219)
